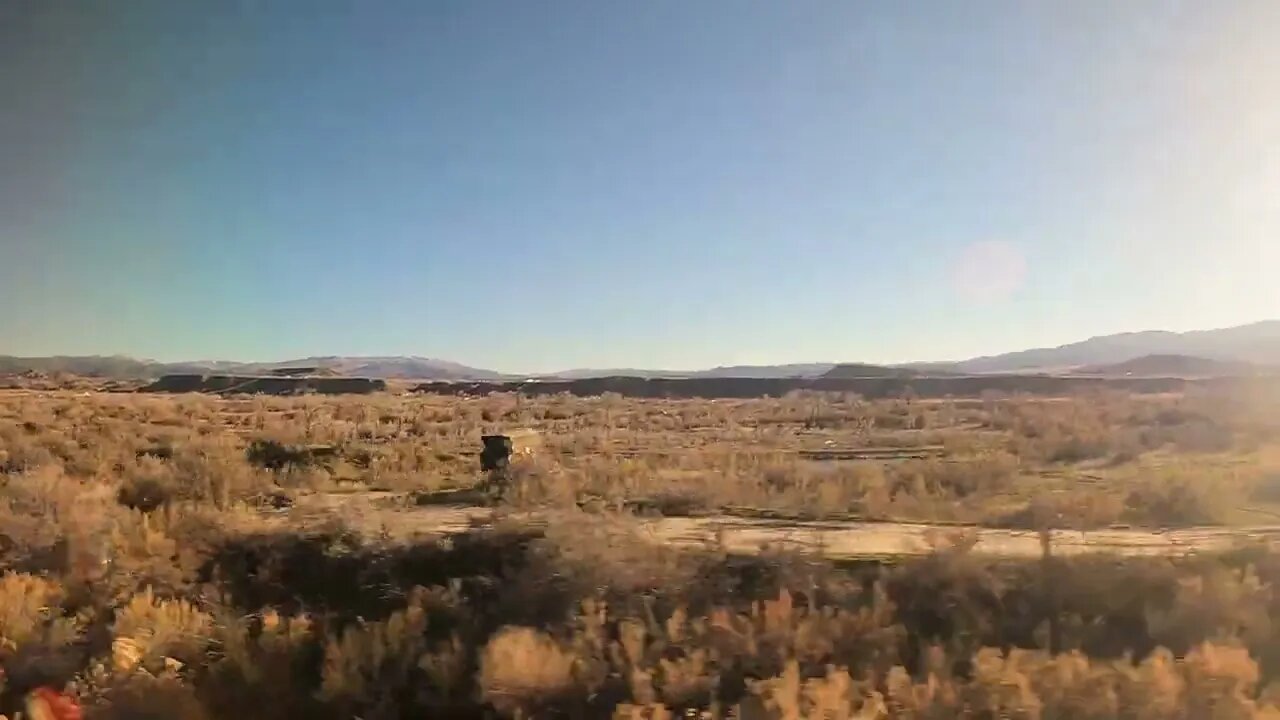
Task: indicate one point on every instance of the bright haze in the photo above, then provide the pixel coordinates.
(535, 186)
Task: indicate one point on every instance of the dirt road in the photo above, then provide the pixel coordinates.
(375, 516)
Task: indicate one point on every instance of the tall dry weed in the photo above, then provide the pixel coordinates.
(522, 668)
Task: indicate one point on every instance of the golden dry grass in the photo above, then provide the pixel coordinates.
(147, 573)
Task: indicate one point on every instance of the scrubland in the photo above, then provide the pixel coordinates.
(155, 567)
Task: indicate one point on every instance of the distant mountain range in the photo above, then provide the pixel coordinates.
(115, 366)
(863, 370)
(1244, 349)
(794, 370)
(1256, 343)
(392, 367)
(1174, 366)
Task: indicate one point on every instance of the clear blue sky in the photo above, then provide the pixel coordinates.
(531, 186)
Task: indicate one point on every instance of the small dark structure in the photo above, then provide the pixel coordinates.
(501, 455)
(496, 454)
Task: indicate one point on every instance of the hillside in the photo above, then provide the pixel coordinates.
(792, 370)
(1172, 366)
(385, 367)
(1253, 344)
(587, 373)
(410, 368)
(112, 366)
(1257, 343)
(863, 370)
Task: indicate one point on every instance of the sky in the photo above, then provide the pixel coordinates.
(534, 186)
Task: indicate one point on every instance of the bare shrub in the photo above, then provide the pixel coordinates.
(986, 474)
(1183, 497)
(149, 629)
(522, 668)
(367, 666)
(586, 612)
(29, 611)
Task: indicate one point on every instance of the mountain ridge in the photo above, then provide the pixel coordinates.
(1253, 343)
(1187, 366)
(375, 366)
(1257, 343)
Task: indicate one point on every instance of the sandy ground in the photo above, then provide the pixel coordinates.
(387, 517)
